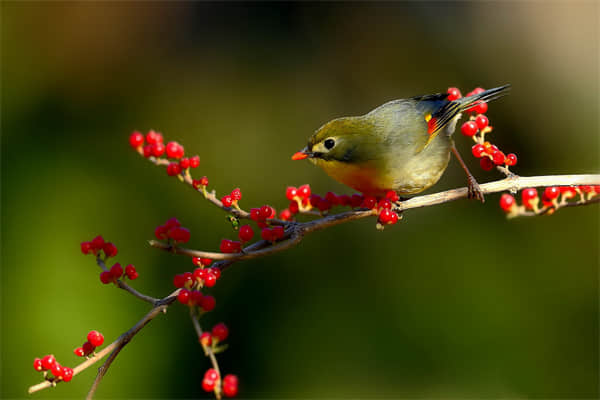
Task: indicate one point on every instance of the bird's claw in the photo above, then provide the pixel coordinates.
(474, 191)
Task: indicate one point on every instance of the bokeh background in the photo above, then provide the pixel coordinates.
(455, 301)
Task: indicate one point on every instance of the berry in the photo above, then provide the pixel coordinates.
(180, 234)
(147, 150)
(387, 216)
(97, 243)
(469, 128)
(86, 247)
(56, 370)
(184, 163)
(215, 271)
(184, 296)
(95, 338)
(106, 277)
(507, 202)
(227, 201)
(208, 303)
(478, 150)
(529, 197)
(158, 149)
(136, 139)
(67, 374)
(220, 331)
(48, 361)
(480, 108)
(173, 169)
(79, 352)
(552, 192)
(88, 348)
(453, 94)
(392, 196)
(568, 192)
(199, 274)
(116, 271)
(205, 261)
(384, 203)
(227, 246)
(230, 385)
(196, 297)
(278, 232)
(174, 150)
(304, 191)
(486, 164)
(286, 214)
(236, 194)
(481, 121)
(110, 250)
(498, 157)
(210, 379)
(205, 339)
(477, 90)
(511, 159)
(196, 184)
(324, 205)
(245, 233)
(267, 234)
(133, 276)
(369, 202)
(265, 212)
(195, 161)
(332, 198)
(294, 207)
(37, 364)
(210, 280)
(178, 281)
(586, 188)
(255, 214)
(291, 192)
(356, 200)
(153, 137)
(204, 181)
(344, 200)
(172, 223)
(130, 270)
(161, 232)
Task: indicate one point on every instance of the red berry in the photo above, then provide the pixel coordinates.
(486, 164)
(511, 159)
(291, 192)
(180, 234)
(56, 370)
(267, 234)
(184, 296)
(48, 361)
(220, 331)
(482, 121)
(369, 202)
(208, 303)
(116, 271)
(205, 261)
(227, 201)
(88, 348)
(173, 169)
(95, 338)
(286, 214)
(158, 149)
(469, 128)
(37, 364)
(477, 90)
(136, 139)
(568, 192)
(384, 203)
(498, 157)
(332, 198)
(196, 297)
(153, 137)
(586, 188)
(97, 243)
(278, 232)
(208, 386)
(67, 374)
(205, 339)
(356, 200)
(453, 94)
(204, 181)
(133, 276)
(294, 207)
(507, 202)
(172, 223)
(147, 150)
(344, 200)
(529, 197)
(215, 271)
(385, 216)
(196, 261)
(230, 385)
(199, 274)
(392, 196)
(86, 247)
(110, 250)
(130, 269)
(226, 246)
(255, 214)
(210, 379)
(196, 184)
(315, 200)
(304, 191)
(323, 205)
(265, 212)
(195, 161)
(79, 352)
(210, 280)
(106, 277)
(478, 150)
(480, 108)
(161, 232)
(552, 192)
(236, 194)
(174, 150)
(184, 163)
(245, 233)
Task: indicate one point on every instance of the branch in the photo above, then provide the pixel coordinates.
(296, 230)
(208, 351)
(126, 287)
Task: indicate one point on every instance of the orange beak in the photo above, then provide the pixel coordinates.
(300, 155)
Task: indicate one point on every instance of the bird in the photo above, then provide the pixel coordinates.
(403, 145)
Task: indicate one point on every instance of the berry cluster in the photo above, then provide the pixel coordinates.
(553, 198)
(211, 380)
(191, 282)
(232, 198)
(96, 245)
(152, 145)
(476, 127)
(172, 231)
(116, 272)
(49, 363)
(94, 339)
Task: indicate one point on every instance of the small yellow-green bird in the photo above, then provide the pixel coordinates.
(403, 145)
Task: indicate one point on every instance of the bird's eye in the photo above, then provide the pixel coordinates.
(329, 143)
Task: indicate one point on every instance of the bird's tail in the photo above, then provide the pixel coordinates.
(491, 94)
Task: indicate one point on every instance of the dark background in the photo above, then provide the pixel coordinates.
(455, 301)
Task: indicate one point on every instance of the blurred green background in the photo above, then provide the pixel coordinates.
(455, 301)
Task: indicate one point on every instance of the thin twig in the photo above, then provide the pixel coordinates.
(128, 288)
(208, 351)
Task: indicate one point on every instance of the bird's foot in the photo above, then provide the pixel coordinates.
(474, 191)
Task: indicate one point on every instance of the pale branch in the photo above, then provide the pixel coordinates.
(126, 287)
(295, 231)
(208, 351)
(160, 306)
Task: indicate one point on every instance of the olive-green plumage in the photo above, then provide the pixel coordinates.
(402, 145)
